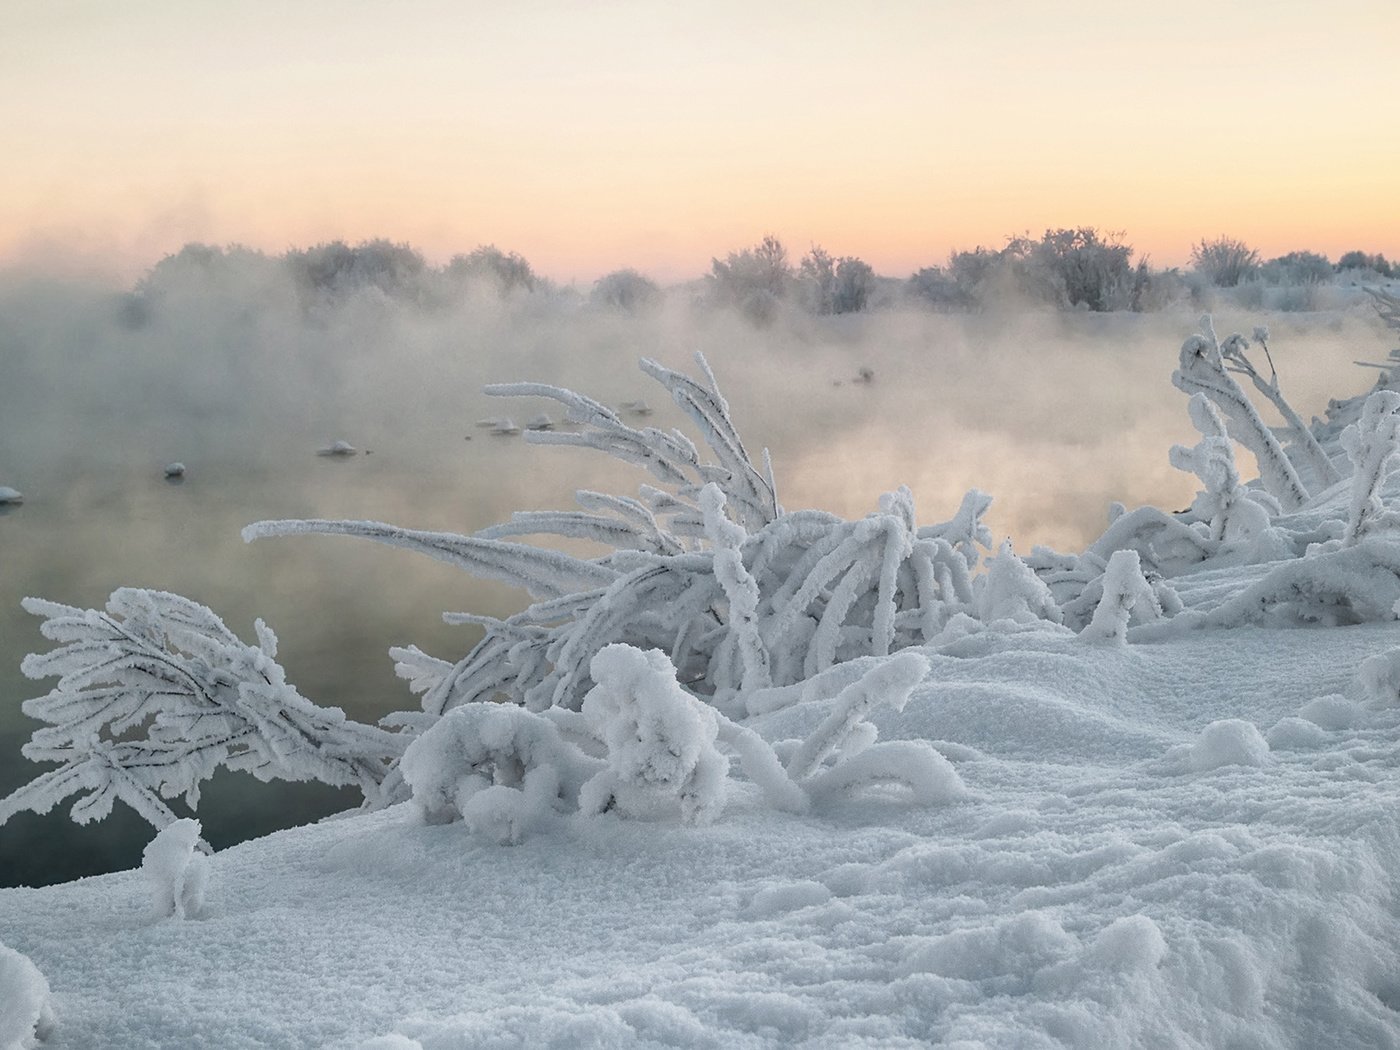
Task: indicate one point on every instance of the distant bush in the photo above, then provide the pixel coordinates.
(626, 290)
(1296, 268)
(338, 269)
(754, 280)
(507, 271)
(1064, 268)
(1362, 261)
(835, 286)
(1087, 269)
(936, 287)
(1225, 262)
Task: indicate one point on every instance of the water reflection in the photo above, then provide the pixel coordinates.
(1055, 416)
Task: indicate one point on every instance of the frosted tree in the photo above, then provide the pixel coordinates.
(1203, 370)
(154, 694)
(1372, 444)
(1125, 590)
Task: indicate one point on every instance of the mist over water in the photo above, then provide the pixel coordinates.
(242, 377)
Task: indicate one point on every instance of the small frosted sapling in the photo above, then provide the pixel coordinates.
(1372, 444)
(176, 871)
(1125, 590)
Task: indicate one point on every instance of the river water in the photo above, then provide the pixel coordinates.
(1053, 415)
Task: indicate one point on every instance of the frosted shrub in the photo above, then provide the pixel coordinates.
(1225, 261)
(25, 1013)
(501, 769)
(1372, 444)
(723, 586)
(176, 871)
(1125, 591)
(1010, 590)
(660, 740)
(1203, 369)
(155, 693)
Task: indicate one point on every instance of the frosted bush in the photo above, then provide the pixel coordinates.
(1010, 590)
(660, 740)
(734, 590)
(1124, 591)
(176, 871)
(1372, 444)
(1359, 584)
(501, 769)
(25, 1014)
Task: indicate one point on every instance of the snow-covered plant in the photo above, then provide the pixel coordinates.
(1124, 591)
(1379, 678)
(1372, 444)
(1223, 503)
(842, 753)
(1203, 369)
(1309, 451)
(155, 693)
(1359, 584)
(660, 740)
(500, 768)
(26, 1015)
(644, 747)
(1010, 590)
(176, 871)
(710, 570)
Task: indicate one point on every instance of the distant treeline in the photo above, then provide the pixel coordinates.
(1064, 269)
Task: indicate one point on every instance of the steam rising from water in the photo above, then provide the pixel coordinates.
(236, 374)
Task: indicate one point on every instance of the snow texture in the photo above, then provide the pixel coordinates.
(25, 1013)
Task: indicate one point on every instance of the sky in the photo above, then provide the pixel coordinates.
(593, 136)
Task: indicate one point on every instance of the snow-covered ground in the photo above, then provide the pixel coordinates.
(1187, 840)
(1092, 891)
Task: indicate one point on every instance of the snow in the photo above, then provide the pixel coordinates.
(1097, 897)
(9, 495)
(25, 1015)
(337, 448)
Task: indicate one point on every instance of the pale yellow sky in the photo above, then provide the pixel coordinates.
(589, 136)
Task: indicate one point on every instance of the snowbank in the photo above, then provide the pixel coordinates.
(1086, 892)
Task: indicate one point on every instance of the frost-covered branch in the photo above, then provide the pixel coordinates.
(155, 693)
(1202, 370)
(1372, 444)
(1233, 352)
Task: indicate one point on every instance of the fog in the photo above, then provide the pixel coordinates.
(242, 373)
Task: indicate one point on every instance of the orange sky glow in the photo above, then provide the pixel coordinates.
(590, 137)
